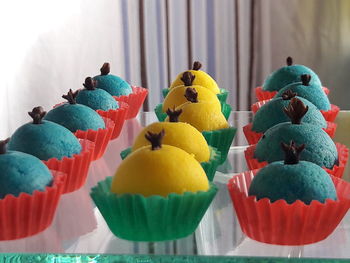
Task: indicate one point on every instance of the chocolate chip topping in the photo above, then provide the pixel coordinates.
(292, 152)
(37, 114)
(90, 83)
(3, 145)
(71, 96)
(187, 78)
(155, 139)
(288, 94)
(173, 114)
(106, 68)
(305, 79)
(191, 95)
(196, 65)
(296, 110)
(289, 61)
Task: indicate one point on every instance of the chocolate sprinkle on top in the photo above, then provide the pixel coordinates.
(296, 110)
(196, 65)
(305, 79)
(289, 61)
(187, 78)
(90, 83)
(288, 94)
(106, 68)
(71, 96)
(3, 145)
(155, 139)
(292, 152)
(37, 114)
(173, 114)
(191, 95)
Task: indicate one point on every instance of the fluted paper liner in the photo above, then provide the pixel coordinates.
(265, 94)
(222, 96)
(76, 168)
(287, 224)
(331, 114)
(155, 218)
(118, 116)
(161, 115)
(337, 170)
(221, 140)
(29, 214)
(208, 167)
(134, 100)
(100, 137)
(253, 137)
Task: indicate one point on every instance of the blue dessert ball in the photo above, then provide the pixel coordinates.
(97, 99)
(319, 149)
(114, 85)
(288, 74)
(303, 181)
(22, 173)
(46, 140)
(76, 117)
(313, 93)
(272, 113)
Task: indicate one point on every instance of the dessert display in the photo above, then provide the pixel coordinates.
(29, 191)
(202, 79)
(96, 99)
(84, 122)
(56, 146)
(271, 113)
(183, 136)
(282, 77)
(311, 92)
(121, 90)
(151, 192)
(289, 203)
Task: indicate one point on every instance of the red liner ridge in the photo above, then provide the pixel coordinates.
(27, 215)
(337, 170)
(76, 167)
(101, 137)
(118, 116)
(135, 101)
(253, 137)
(286, 224)
(265, 95)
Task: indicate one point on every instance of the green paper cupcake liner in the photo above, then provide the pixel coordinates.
(209, 167)
(225, 109)
(222, 96)
(154, 218)
(221, 140)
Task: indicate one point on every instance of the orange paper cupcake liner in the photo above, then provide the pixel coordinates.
(76, 167)
(265, 95)
(337, 170)
(253, 137)
(287, 224)
(29, 214)
(118, 116)
(101, 137)
(135, 101)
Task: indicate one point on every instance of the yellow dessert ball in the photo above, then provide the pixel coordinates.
(178, 134)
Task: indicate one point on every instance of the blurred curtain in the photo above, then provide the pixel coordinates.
(49, 47)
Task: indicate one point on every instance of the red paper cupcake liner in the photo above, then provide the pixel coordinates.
(118, 116)
(135, 101)
(337, 170)
(265, 95)
(29, 214)
(331, 114)
(253, 137)
(76, 167)
(287, 224)
(101, 137)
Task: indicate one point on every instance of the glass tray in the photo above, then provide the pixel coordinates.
(80, 234)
